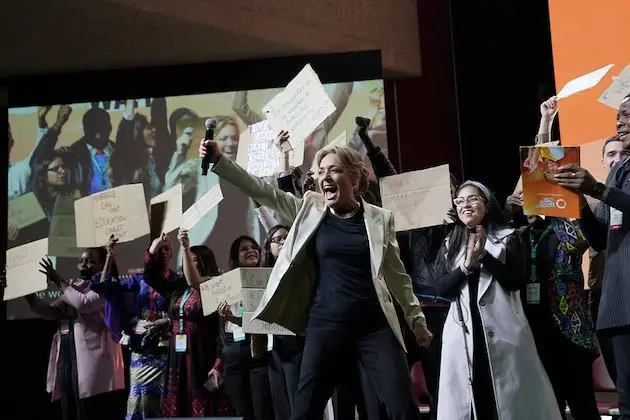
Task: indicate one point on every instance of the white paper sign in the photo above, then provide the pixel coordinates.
(223, 288)
(618, 90)
(258, 153)
(419, 198)
(120, 211)
(254, 282)
(202, 206)
(23, 276)
(300, 108)
(583, 82)
(173, 215)
(339, 141)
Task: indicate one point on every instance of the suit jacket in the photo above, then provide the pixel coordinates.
(291, 287)
(100, 366)
(614, 308)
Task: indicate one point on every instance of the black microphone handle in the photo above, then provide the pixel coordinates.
(205, 163)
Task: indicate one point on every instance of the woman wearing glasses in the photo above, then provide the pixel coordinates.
(489, 365)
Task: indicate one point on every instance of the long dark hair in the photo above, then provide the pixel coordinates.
(234, 260)
(206, 263)
(492, 221)
(130, 154)
(39, 184)
(268, 260)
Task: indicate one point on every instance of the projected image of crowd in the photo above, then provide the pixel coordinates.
(482, 316)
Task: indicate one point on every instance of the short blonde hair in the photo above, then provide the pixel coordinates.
(351, 161)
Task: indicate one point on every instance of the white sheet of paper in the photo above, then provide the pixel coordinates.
(25, 210)
(339, 141)
(254, 282)
(202, 206)
(223, 288)
(23, 276)
(618, 90)
(583, 82)
(419, 198)
(173, 215)
(258, 153)
(121, 211)
(300, 108)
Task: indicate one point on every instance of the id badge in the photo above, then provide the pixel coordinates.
(238, 334)
(533, 293)
(180, 343)
(64, 328)
(616, 219)
(269, 342)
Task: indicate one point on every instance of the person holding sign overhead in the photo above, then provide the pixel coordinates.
(334, 280)
(85, 370)
(489, 366)
(195, 347)
(607, 229)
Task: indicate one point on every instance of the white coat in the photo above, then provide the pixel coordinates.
(521, 386)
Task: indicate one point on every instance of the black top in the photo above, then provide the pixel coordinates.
(345, 291)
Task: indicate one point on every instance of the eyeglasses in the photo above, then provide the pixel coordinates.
(471, 199)
(278, 239)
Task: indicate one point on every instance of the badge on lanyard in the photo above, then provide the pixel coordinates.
(533, 293)
(269, 342)
(180, 343)
(238, 333)
(616, 219)
(181, 340)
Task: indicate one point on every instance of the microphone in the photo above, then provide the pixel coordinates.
(210, 124)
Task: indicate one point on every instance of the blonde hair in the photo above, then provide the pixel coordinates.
(352, 162)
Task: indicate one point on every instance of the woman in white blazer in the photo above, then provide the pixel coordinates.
(490, 368)
(334, 280)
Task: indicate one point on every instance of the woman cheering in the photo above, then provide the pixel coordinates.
(334, 281)
(490, 367)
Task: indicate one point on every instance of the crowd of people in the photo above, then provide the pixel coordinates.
(494, 305)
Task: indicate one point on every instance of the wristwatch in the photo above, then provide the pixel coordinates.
(598, 190)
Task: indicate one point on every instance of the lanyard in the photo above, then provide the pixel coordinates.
(153, 297)
(533, 277)
(101, 171)
(185, 297)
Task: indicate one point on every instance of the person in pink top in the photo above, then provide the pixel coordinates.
(85, 366)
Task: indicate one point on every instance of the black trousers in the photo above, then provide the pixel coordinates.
(284, 373)
(247, 382)
(621, 346)
(331, 352)
(429, 357)
(605, 340)
(356, 392)
(569, 368)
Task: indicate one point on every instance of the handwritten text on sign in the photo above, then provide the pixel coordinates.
(202, 206)
(263, 157)
(618, 90)
(419, 198)
(121, 211)
(254, 282)
(23, 276)
(224, 288)
(300, 108)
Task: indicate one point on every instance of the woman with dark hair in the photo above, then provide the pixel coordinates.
(489, 368)
(137, 316)
(50, 181)
(246, 377)
(195, 345)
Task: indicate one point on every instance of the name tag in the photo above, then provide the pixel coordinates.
(181, 341)
(533, 293)
(141, 327)
(616, 219)
(238, 335)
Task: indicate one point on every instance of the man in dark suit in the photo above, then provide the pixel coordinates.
(608, 228)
